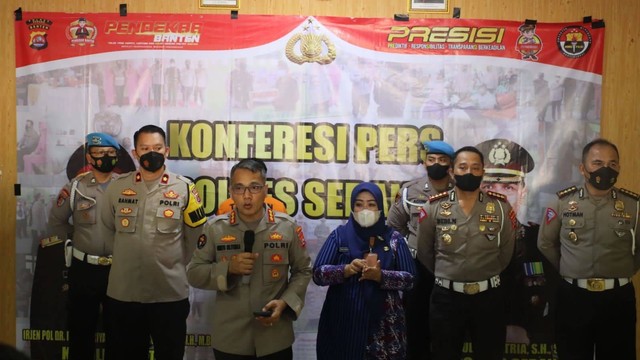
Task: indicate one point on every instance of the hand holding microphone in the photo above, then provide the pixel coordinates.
(249, 238)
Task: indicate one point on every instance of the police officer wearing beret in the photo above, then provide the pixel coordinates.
(466, 238)
(530, 279)
(589, 234)
(155, 218)
(89, 257)
(403, 217)
(256, 259)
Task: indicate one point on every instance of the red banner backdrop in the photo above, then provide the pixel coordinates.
(327, 102)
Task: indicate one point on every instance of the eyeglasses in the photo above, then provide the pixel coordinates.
(101, 153)
(239, 189)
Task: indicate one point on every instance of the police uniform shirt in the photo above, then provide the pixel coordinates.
(404, 213)
(585, 237)
(155, 230)
(80, 202)
(282, 270)
(458, 247)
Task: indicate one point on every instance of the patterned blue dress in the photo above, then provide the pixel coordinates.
(363, 319)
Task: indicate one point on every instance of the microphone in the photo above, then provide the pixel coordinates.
(249, 238)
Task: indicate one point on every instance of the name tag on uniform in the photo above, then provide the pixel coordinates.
(343, 249)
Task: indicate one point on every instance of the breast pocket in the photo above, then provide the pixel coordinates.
(85, 212)
(126, 218)
(572, 228)
(621, 227)
(169, 220)
(490, 231)
(275, 264)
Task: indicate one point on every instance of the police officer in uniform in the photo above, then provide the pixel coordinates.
(403, 217)
(155, 218)
(589, 234)
(530, 279)
(466, 238)
(89, 257)
(256, 259)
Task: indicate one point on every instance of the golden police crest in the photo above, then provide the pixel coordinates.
(307, 47)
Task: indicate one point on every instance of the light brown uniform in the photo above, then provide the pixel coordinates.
(281, 271)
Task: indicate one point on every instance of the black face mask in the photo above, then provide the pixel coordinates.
(152, 161)
(437, 171)
(104, 164)
(468, 182)
(603, 178)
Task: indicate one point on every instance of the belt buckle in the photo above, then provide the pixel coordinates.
(471, 288)
(103, 260)
(595, 284)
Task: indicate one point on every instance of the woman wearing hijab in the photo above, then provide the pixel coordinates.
(366, 264)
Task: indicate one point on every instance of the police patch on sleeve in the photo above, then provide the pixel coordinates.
(202, 241)
(62, 197)
(301, 239)
(423, 214)
(550, 215)
(194, 211)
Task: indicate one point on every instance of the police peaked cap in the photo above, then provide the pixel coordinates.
(505, 160)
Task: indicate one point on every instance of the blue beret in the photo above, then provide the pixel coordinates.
(439, 147)
(101, 139)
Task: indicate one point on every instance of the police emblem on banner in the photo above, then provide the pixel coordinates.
(38, 36)
(307, 46)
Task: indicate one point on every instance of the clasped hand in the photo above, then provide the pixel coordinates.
(367, 272)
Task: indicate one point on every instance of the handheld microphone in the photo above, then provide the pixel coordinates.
(249, 238)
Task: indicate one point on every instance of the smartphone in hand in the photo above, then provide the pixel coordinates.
(372, 259)
(262, 313)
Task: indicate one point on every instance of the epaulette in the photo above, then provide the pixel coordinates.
(81, 175)
(630, 194)
(567, 191)
(439, 196)
(185, 179)
(219, 218)
(127, 174)
(497, 195)
(286, 216)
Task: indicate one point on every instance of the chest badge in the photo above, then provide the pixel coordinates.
(573, 205)
(171, 194)
(447, 239)
(490, 208)
(573, 236)
(618, 205)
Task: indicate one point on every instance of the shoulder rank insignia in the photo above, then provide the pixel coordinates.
(439, 196)
(567, 191)
(496, 195)
(630, 194)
